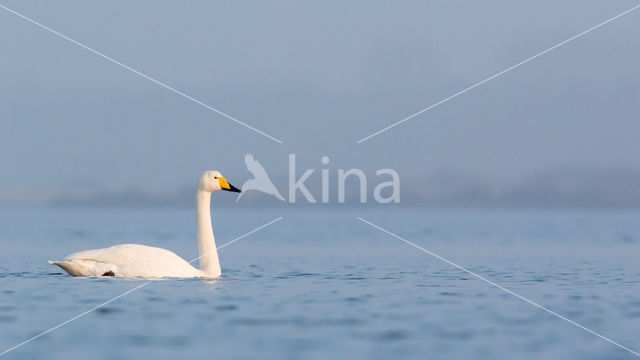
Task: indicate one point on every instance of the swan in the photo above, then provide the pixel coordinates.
(134, 260)
(260, 181)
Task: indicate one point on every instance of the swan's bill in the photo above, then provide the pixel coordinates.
(224, 184)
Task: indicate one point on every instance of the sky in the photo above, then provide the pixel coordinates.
(318, 76)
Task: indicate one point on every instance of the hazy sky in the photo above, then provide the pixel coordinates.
(318, 76)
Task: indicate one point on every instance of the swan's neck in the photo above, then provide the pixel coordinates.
(209, 262)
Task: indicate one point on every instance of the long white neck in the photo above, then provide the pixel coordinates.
(209, 262)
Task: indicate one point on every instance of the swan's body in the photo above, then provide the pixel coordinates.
(131, 260)
(128, 260)
(260, 181)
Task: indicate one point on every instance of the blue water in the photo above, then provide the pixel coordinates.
(321, 284)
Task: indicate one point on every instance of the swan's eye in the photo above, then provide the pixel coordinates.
(215, 177)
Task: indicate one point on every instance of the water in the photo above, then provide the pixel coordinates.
(321, 284)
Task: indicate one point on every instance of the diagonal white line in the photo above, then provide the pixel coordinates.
(496, 75)
(129, 291)
(498, 286)
(141, 74)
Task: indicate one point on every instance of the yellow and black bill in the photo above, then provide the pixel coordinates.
(224, 185)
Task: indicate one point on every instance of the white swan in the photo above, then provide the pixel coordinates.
(129, 260)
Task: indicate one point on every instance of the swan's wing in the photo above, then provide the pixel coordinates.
(255, 168)
(135, 260)
(117, 255)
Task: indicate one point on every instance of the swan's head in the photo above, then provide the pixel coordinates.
(213, 181)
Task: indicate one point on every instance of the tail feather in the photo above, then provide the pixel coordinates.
(82, 268)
